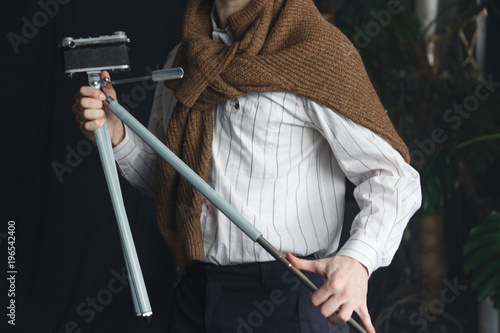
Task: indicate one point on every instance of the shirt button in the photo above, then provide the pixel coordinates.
(237, 105)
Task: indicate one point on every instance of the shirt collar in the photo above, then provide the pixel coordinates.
(220, 35)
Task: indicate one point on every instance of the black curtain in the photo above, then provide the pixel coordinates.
(68, 263)
(66, 254)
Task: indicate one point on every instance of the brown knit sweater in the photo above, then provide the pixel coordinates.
(280, 45)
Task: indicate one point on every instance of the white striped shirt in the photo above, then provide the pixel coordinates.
(281, 161)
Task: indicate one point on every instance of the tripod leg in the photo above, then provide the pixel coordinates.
(138, 288)
(139, 293)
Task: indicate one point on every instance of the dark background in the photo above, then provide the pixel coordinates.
(67, 243)
(68, 252)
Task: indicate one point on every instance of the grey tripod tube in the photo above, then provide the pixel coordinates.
(138, 288)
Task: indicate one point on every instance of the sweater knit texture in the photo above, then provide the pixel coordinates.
(280, 45)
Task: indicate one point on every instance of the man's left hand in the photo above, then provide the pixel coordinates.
(344, 290)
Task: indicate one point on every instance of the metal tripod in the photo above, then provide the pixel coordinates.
(139, 292)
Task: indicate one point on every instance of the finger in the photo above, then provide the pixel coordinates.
(343, 314)
(313, 266)
(90, 92)
(108, 89)
(330, 306)
(79, 115)
(92, 114)
(364, 315)
(94, 124)
(330, 296)
(90, 103)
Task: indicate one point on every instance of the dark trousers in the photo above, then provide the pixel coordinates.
(257, 297)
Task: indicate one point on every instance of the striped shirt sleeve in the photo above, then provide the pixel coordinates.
(135, 159)
(387, 188)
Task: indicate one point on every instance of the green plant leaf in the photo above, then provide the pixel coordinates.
(440, 180)
(486, 272)
(488, 288)
(494, 136)
(482, 258)
(483, 239)
(493, 218)
(497, 301)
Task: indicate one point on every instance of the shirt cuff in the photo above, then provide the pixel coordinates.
(124, 148)
(361, 249)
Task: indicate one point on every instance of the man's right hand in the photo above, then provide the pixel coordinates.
(89, 109)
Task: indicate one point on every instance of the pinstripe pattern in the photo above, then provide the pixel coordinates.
(281, 161)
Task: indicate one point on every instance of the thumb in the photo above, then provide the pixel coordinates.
(108, 89)
(305, 265)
